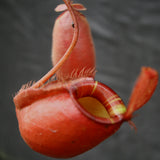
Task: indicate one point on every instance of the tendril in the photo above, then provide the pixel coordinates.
(47, 76)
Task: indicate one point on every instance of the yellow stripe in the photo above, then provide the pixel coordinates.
(110, 98)
(95, 86)
(114, 96)
(114, 100)
(117, 99)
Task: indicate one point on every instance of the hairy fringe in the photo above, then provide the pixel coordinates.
(27, 85)
(24, 86)
(85, 72)
(90, 72)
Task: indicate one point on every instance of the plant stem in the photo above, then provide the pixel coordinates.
(47, 76)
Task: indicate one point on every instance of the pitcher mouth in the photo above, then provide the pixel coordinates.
(94, 99)
(98, 102)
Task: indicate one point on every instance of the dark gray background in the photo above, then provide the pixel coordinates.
(126, 35)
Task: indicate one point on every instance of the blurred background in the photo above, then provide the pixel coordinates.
(126, 35)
